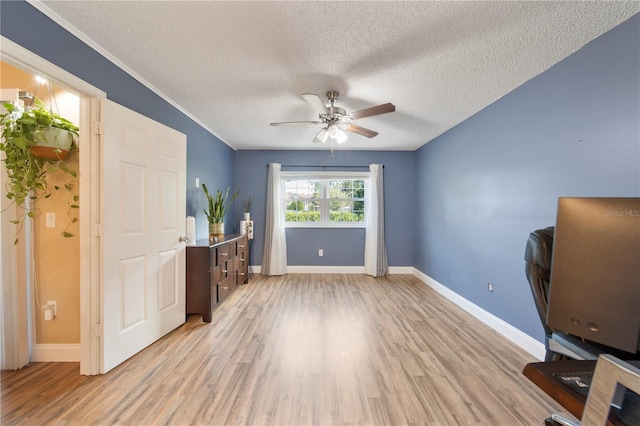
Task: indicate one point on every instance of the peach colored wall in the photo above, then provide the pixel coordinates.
(57, 259)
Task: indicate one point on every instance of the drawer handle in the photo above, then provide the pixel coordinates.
(241, 245)
(225, 254)
(225, 288)
(224, 271)
(240, 273)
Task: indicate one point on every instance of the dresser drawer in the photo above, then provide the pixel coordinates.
(225, 253)
(238, 263)
(243, 275)
(224, 288)
(242, 245)
(216, 275)
(227, 269)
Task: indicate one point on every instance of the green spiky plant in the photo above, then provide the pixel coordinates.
(218, 204)
(246, 204)
(27, 173)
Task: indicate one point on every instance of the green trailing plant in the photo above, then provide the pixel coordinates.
(217, 205)
(27, 174)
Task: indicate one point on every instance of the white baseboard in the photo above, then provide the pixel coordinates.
(526, 342)
(55, 352)
(401, 270)
(297, 269)
(300, 269)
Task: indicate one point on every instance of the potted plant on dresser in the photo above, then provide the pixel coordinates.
(35, 143)
(216, 208)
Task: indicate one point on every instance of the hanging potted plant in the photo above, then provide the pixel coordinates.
(216, 208)
(35, 143)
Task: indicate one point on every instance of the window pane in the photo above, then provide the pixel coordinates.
(307, 202)
(346, 202)
(346, 188)
(302, 200)
(345, 211)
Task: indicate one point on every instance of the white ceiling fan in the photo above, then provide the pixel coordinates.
(336, 120)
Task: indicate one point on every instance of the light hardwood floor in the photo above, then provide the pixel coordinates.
(300, 349)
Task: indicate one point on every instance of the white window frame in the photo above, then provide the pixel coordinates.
(324, 200)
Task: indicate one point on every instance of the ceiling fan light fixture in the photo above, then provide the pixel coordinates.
(333, 131)
(340, 136)
(321, 137)
(336, 133)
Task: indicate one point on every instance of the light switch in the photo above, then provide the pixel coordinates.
(50, 220)
(197, 182)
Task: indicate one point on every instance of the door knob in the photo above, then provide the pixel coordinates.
(184, 239)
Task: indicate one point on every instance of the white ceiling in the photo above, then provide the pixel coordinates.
(237, 66)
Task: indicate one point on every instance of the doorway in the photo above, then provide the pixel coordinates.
(68, 336)
(50, 263)
(144, 291)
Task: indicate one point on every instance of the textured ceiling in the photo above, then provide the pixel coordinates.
(237, 66)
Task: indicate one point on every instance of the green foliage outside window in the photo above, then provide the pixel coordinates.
(346, 217)
(299, 216)
(296, 206)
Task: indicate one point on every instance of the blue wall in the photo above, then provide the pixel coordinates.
(464, 202)
(207, 157)
(342, 247)
(487, 183)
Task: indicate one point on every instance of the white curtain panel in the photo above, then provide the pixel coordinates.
(274, 254)
(375, 248)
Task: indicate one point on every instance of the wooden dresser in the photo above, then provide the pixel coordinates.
(214, 270)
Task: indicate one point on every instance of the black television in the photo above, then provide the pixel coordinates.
(595, 271)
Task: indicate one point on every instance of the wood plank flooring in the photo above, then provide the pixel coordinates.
(301, 349)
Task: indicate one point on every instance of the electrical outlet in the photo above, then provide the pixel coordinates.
(52, 305)
(50, 310)
(320, 252)
(490, 287)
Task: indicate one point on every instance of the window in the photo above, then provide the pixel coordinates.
(324, 199)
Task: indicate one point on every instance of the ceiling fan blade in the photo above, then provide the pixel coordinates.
(361, 131)
(294, 123)
(316, 103)
(370, 112)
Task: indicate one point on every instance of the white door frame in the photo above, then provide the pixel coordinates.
(90, 196)
(14, 321)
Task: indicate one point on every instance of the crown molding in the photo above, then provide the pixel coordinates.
(107, 55)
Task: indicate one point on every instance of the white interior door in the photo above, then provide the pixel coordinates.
(144, 193)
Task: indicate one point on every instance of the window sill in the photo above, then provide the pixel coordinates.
(325, 226)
